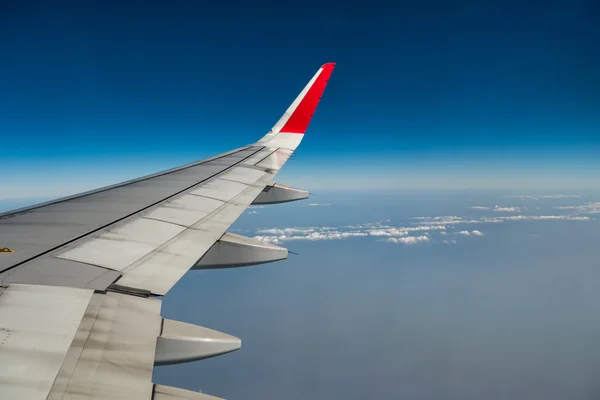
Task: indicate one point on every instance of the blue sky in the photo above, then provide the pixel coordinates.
(425, 94)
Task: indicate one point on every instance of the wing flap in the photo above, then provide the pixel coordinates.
(123, 245)
(59, 272)
(37, 326)
(161, 269)
(162, 392)
(113, 355)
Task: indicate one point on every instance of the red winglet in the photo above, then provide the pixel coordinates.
(300, 118)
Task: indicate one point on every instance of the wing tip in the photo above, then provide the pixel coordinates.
(299, 114)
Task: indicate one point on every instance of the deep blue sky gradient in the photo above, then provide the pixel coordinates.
(429, 93)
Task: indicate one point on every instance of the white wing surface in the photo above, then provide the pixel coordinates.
(81, 277)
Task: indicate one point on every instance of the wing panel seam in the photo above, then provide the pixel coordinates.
(129, 215)
(129, 182)
(166, 222)
(267, 156)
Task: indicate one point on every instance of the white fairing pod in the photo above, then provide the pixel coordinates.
(180, 342)
(240, 251)
(277, 193)
(162, 392)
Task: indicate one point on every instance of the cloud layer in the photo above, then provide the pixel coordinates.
(507, 209)
(421, 229)
(409, 240)
(588, 208)
(497, 208)
(375, 229)
(549, 196)
(454, 220)
(472, 233)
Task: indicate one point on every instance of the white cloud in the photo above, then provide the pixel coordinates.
(387, 232)
(449, 242)
(545, 217)
(472, 233)
(312, 233)
(398, 234)
(268, 239)
(443, 221)
(428, 221)
(333, 235)
(319, 205)
(310, 236)
(252, 212)
(426, 228)
(480, 208)
(506, 209)
(315, 233)
(440, 218)
(549, 196)
(588, 208)
(292, 231)
(409, 239)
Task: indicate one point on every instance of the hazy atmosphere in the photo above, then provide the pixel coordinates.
(411, 294)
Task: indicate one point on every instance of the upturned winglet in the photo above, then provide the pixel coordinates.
(298, 115)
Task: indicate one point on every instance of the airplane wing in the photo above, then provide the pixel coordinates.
(81, 277)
